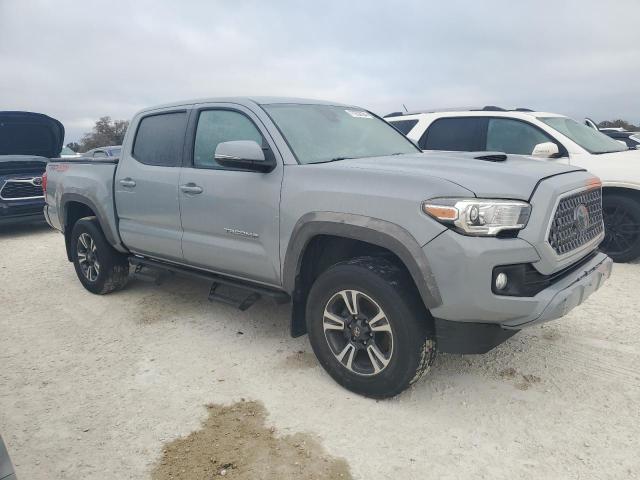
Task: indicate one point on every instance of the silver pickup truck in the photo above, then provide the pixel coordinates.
(386, 253)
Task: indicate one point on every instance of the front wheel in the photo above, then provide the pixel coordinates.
(622, 228)
(99, 267)
(369, 328)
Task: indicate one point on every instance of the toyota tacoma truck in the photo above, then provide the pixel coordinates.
(386, 253)
(27, 141)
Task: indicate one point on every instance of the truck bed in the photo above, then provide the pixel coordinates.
(86, 181)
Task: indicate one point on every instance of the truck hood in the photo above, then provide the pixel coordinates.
(513, 178)
(28, 133)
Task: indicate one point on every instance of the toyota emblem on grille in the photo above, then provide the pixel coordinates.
(581, 217)
(37, 181)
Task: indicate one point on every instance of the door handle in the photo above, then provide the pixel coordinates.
(191, 188)
(128, 182)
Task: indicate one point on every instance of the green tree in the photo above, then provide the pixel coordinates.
(105, 132)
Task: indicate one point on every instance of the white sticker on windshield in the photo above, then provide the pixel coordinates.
(359, 114)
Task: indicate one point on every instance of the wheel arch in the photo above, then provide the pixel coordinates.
(355, 233)
(628, 190)
(73, 208)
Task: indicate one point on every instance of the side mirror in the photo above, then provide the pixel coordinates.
(545, 150)
(243, 155)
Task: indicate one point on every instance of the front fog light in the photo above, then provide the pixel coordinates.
(501, 281)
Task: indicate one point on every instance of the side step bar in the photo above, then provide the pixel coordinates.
(223, 289)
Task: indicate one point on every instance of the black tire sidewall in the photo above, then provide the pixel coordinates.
(408, 326)
(107, 257)
(633, 208)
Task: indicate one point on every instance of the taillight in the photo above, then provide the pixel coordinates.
(44, 183)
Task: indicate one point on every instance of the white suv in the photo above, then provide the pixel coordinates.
(547, 136)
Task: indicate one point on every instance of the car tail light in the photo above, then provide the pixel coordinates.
(44, 183)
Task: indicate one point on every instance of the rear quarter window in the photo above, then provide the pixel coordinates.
(160, 139)
(404, 126)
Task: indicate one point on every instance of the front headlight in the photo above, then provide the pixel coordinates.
(479, 216)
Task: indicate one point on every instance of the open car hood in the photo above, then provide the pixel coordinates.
(28, 133)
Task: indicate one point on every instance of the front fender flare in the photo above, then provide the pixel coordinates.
(367, 229)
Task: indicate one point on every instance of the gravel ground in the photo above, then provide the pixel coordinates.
(95, 387)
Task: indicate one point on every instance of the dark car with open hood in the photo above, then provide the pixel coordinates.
(27, 141)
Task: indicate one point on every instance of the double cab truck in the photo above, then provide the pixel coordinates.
(27, 141)
(387, 254)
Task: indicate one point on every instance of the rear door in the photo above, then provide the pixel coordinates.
(146, 186)
(230, 218)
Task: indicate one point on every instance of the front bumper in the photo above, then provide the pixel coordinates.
(569, 292)
(16, 212)
(462, 267)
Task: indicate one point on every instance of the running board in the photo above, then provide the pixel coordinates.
(239, 293)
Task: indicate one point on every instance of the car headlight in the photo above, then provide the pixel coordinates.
(478, 216)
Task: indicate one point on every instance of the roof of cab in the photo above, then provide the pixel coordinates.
(246, 101)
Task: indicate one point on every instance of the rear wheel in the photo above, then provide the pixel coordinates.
(368, 327)
(99, 267)
(622, 228)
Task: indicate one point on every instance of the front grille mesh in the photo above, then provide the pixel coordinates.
(566, 233)
(13, 189)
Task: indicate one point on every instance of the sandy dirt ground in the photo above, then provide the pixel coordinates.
(111, 387)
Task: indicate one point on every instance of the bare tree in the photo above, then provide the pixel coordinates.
(618, 124)
(105, 132)
(75, 146)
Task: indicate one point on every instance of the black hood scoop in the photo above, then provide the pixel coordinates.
(492, 157)
(28, 133)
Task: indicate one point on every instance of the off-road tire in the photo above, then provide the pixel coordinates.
(390, 287)
(622, 227)
(113, 265)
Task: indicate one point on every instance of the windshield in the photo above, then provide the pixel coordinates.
(588, 138)
(324, 133)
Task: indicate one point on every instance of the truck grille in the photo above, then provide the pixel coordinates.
(577, 221)
(22, 189)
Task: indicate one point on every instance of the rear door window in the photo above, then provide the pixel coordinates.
(461, 134)
(514, 136)
(160, 139)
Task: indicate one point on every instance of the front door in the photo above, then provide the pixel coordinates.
(230, 218)
(146, 186)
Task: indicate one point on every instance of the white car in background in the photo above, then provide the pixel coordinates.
(548, 136)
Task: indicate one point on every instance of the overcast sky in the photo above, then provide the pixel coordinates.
(79, 60)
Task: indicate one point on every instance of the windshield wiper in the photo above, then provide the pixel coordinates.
(337, 159)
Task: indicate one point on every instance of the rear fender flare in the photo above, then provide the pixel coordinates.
(100, 216)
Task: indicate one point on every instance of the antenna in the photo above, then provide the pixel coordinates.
(405, 108)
